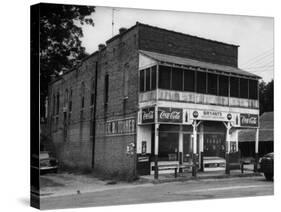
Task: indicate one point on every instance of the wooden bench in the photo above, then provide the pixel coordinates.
(174, 167)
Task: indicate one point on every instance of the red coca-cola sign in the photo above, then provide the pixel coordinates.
(173, 115)
(249, 120)
(148, 115)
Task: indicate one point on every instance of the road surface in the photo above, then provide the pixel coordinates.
(174, 191)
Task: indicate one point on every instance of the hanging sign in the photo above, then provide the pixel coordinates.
(249, 120)
(147, 115)
(172, 115)
(212, 115)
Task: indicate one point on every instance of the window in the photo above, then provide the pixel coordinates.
(201, 82)
(142, 81)
(153, 78)
(106, 87)
(234, 87)
(189, 79)
(82, 93)
(223, 85)
(92, 92)
(212, 84)
(253, 89)
(177, 79)
(126, 81)
(244, 88)
(147, 79)
(58, 103)
(164, 77)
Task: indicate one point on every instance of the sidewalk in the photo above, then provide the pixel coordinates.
(62, 184)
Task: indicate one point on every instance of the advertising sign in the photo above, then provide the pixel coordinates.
(211, 115)
(171, 115)
(147, 115)
(249, 120)
(121, 127)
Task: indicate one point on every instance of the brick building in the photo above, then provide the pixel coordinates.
(152, 96)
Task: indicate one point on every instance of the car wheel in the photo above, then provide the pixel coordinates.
(268, 176)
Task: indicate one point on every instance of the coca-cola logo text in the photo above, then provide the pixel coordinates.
(170, 114)
(149, 115)
(249, 120)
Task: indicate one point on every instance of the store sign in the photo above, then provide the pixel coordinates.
(249, 120)
(147, 115)
(213, 115)
(121, 127)
(172, 115)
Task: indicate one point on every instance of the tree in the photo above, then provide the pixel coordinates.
(60, 44)
(266, 96)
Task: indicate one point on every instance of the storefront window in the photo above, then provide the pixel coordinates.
(168, 142)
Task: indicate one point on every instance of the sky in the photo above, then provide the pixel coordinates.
(254, 35)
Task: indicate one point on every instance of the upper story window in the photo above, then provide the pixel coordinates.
(201, 82)
(223, 85)
(212, 84)
(148, 79)
(165, 77)
(189, 80)
(244, 88)
(177, 79)
(92, 92)
(234, 87)
(253, 89)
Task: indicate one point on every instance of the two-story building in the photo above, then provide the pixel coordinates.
(152, 96)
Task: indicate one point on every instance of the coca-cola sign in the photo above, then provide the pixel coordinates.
(148, 115)
(249, 120)
(173, 115)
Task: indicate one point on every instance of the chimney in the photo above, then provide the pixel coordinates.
(101, 46)
(122, 30)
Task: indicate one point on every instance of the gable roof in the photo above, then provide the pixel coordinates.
(195, 63)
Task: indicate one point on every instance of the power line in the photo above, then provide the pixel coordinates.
(258, 57)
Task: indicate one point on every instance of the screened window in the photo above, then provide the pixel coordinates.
(147, 79)
(201, 82)
(164, 77)
(142, 81)
(212, 84)
(253, 89)
(234, 87)
(189, 79)
(244, 88)
(153, 78)
(223, 85)
(177, 79)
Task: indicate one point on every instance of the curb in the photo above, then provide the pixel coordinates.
(202, 178)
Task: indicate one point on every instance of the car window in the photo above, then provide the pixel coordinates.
(44, 155)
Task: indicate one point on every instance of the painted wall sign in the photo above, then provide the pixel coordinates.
(249, 120)
(147, 115)
(172, 115)
(121, 127)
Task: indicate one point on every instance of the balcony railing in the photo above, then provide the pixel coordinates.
(197, 98)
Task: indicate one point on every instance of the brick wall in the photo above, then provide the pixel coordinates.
(120, 56)
(168, 42)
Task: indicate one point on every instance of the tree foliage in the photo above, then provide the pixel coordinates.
(266, 96)
(60, 44)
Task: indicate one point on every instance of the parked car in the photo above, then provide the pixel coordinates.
(45, 163)
(266, 165)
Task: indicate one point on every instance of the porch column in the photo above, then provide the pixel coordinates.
(156, 144)
(194, 167)
(180, 155)
(227, 149)
(256, 150)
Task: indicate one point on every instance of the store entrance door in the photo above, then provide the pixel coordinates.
(214, 145)
(188, 147)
